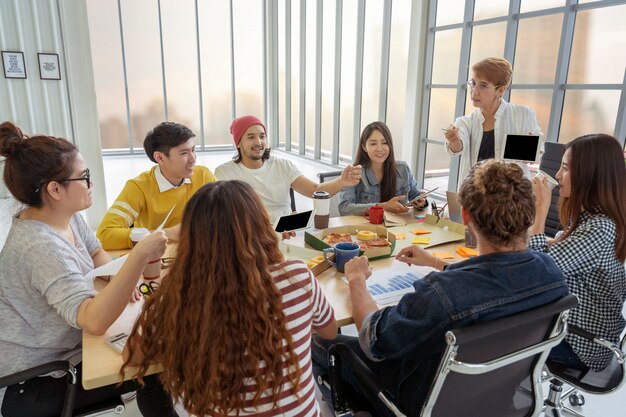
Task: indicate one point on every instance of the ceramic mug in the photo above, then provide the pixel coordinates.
(377, 214)
(344, 251)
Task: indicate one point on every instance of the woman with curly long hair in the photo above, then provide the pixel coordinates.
(231, 323)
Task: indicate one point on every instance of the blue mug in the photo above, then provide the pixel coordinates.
(344, 251)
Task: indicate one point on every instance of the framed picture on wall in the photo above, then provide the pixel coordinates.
(13, 63)
(49, 66)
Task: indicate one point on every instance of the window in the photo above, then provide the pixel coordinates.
(569, 66)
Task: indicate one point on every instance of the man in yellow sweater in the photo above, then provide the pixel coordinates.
(145, 201)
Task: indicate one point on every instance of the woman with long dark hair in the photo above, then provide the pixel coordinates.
(592, 248)
(231, 323)
(45, 300)
(384, 181)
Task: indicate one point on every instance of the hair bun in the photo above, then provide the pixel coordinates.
(11, 139)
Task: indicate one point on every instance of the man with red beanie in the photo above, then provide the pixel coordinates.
(272, 177)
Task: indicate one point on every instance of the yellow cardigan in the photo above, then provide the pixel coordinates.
(142, 204)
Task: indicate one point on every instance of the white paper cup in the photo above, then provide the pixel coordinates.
(152, 270)
(552, 183)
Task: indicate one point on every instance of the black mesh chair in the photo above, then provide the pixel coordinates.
(550, 164)
(114, 405)
(334, 200)
(292, 197)
(604, 382)
(488, 369)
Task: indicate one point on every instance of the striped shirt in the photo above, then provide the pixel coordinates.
(305, 309)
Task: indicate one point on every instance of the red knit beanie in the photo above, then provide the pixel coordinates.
(239, 126)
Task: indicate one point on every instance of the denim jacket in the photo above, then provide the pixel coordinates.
(354, 200)
(409, 337)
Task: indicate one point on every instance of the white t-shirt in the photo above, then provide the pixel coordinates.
(271, 182)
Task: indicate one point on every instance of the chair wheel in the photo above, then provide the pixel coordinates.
(577, 400)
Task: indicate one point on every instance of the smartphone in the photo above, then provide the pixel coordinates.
(422, 195)
(294, 222)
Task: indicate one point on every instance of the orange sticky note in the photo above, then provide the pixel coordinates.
(420, 231)
(422, 240)
(466, 252)
(443, 255)
(399, 235)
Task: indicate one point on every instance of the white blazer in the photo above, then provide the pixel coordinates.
(514, 119)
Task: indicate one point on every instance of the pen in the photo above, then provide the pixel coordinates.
(445, 129)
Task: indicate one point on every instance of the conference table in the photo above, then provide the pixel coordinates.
(101, 364)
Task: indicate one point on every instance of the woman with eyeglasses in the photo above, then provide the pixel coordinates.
(481, 135)
(45, 300)
(231, 323)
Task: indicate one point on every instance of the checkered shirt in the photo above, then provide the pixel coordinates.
(595, 275)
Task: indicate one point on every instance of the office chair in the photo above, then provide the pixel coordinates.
(484, 370)
(115, 405)
(550, 164)
(292, 197)
(604, 382)
(334, 200)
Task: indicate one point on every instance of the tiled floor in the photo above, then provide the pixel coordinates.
(128, 167)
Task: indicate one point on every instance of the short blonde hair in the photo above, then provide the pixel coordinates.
(496, 70)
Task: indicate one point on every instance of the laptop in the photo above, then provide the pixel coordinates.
(522, 148)
(454, 207)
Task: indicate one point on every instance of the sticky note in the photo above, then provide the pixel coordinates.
(420, 231)
(466, 252)
(443, 255)
(422, 240)
(399, 235)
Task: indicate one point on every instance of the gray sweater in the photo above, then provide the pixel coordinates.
(41, 286)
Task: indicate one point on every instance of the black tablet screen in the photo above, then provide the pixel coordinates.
(521, 147)
(293, 221)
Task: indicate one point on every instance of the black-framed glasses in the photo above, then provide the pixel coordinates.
(87, 178)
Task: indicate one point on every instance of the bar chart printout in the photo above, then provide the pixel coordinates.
(388, 285)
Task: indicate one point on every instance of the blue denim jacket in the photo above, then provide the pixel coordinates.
(409, 337)
(354, 200)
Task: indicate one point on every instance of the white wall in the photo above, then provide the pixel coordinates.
(65, 108)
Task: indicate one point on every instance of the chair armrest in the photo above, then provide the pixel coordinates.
(621, 356)
(36, 371)
(323, 175)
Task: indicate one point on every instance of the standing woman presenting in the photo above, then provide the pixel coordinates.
(45, 300)
(481, 135)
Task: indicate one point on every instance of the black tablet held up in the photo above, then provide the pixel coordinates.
(524, 148)
(293, 222)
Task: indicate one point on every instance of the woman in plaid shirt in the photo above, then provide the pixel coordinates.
(592, 249)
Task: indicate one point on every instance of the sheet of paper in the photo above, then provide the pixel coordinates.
(420, 231)
(399, 235)
(111, 268)
(388, 285)
(164, 221)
